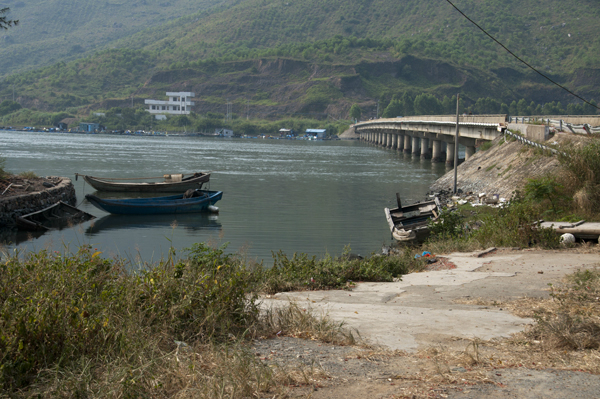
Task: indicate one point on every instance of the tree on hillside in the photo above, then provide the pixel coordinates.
(6, 23)
(393, 109)
(427, 104)
(355, 112)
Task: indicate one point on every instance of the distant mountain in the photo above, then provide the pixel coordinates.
(282, 57)
(61, 30)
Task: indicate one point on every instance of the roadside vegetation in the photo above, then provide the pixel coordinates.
(570, 195)
(78, 325)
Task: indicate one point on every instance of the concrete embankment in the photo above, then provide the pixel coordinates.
(502, 169)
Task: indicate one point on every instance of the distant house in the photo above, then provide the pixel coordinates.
(179, 103)
(318, 133)
(65, 123)
(88, 127)
(224, 132)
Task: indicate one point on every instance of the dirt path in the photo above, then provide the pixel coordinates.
(440, 334)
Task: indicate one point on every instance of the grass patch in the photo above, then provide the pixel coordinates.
(490, 167)
(28, 175)
(571, 320)
(486, 146)
(309, 273)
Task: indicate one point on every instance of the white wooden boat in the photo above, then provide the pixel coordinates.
(172, 183)
(411, 223)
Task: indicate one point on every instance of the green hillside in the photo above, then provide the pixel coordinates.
(552, 35)
(273, 58)
(60, 30)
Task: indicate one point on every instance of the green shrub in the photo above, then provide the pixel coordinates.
(515, 225)
(303, 272)
(56, 309)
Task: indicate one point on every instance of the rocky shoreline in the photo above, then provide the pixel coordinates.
(23, 196)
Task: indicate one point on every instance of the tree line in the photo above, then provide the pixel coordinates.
(428, 104)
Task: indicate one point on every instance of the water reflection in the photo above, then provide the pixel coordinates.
(194, 222)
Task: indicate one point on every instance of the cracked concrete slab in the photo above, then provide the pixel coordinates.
(421, 309)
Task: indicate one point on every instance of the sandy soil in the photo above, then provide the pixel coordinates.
(458, 360)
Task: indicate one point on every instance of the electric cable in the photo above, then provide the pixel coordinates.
(518, 58)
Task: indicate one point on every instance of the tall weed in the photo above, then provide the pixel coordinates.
(582, 179)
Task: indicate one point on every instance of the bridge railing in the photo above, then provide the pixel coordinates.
(574, 124)
(528, 142)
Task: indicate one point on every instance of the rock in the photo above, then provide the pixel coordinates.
(567, 238)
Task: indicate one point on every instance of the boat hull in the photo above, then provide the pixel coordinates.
(174, 204)
(410, 224)
(57, 215)
(194, 182)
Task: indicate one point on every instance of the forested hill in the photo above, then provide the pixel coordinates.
(309, 56)
(552, 35)
(57, 30)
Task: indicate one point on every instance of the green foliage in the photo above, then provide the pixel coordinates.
(65, 314)
(427, 104)
(449, 225)
(309, 273)
(8, 106)
(57, 308)
(515, 225)
(545, 188)
(318, 42)
(486, 146)
(355, 112)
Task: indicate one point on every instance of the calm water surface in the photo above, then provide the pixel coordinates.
(290, 195)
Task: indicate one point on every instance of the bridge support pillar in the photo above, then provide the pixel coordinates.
(436, 151)
(400, 146)
(388, 143)
(425, 154)
(415, 145)
(469, 151)
(450, 154)
(394, 141)
(407, 144)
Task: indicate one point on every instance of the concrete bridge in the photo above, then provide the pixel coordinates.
(432, 137)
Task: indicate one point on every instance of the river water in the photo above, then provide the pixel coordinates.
(313, 197)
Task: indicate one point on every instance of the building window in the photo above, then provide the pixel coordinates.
(164, 107)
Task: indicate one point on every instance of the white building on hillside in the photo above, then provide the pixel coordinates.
(179, 103)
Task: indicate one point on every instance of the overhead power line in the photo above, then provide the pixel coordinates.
(518, 58)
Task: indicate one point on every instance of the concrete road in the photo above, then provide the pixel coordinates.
(421, 310)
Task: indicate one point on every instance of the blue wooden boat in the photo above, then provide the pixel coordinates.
(203, 200)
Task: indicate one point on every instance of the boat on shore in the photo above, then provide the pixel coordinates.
(201, 201)
(172, 183)
(57, 216)
(410, 224)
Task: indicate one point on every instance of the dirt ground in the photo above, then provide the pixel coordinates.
(453, 364)
(16, 185)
